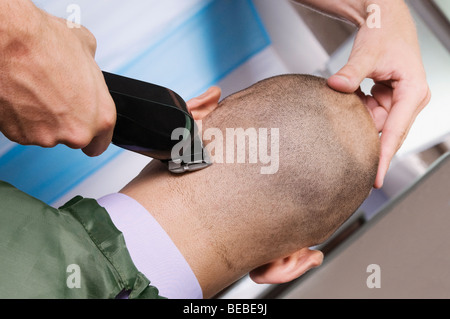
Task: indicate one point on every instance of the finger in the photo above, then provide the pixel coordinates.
(349, 78)
(383, 94)
(105, 126)
(394, 133)
(98, 145)
(379, 116)
(377, 112)
(381, 104)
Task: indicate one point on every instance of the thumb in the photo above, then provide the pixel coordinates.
(349, 78)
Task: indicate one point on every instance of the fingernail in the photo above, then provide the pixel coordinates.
(344, 79)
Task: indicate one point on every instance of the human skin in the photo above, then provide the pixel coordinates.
(230, 220)
(45, 100)
(51, 89)
(390, 56)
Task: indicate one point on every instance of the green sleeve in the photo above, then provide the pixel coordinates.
(71, 252)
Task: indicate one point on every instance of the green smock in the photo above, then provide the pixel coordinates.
(72, 252)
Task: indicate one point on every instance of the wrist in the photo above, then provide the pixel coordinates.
(21, 22)
(353, 11)
(390, 10)
(357, 11)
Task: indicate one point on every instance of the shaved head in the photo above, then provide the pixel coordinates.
(328, 157)
(326, 150)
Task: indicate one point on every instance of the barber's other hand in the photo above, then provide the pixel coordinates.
(51, 89)
(390, 55)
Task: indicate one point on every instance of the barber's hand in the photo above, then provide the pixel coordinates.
(51, 89)
(391, 57)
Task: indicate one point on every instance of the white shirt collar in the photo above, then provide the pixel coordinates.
(151, 249)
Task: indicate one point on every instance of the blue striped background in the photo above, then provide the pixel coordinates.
(194, 54)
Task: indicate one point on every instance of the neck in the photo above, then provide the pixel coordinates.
(176, 207)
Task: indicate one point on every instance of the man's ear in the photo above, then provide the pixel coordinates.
(288, 268)
(204, 104)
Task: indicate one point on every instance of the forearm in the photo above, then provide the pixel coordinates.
(356, 11)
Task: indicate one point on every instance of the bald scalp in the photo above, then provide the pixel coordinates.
(328, 158)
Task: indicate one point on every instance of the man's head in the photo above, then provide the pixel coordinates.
(327, 149)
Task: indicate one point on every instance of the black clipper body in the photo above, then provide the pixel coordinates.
(154, 121)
